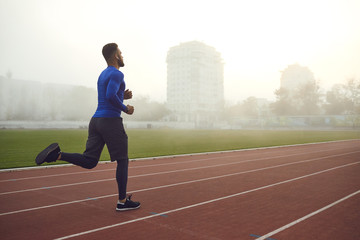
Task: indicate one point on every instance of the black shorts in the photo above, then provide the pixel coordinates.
(109, 131)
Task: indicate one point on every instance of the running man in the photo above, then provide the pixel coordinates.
(105, 127)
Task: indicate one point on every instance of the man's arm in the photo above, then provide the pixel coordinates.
(111, 92)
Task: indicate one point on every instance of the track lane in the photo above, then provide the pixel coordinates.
(101, 208)
(108, 174)
(241, 216)
(53, 171)
(338, 222)
(232, 217)
(101, 188)
(104, 210)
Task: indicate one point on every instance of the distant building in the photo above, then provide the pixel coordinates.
(195, 83)
(37, 101)
(295, 76)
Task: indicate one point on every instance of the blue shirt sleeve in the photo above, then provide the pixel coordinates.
(112, 91)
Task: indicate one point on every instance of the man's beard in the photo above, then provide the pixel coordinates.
(120, 63)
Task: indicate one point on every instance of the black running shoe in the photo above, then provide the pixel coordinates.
(128, 205)
(49, 154)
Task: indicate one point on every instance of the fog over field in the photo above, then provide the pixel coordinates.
(50, 52)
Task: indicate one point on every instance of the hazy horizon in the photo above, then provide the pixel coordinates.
(60, 41)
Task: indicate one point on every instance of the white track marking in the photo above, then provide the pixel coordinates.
(57, 186)
(202, 203)
(155, 158)
(151, 165)
(307, 216)
(55, 175)
(167, 172)
(105, 170)
(160, 187)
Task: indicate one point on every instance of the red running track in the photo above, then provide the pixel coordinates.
(309, 191)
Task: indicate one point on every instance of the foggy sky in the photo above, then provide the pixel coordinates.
(61, 40)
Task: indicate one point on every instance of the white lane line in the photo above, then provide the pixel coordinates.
(161, 157)
(307, 216)
(55, 175)
(202, 203)
(160, 187)
(112, 169)
(134, 167)
(166, 172)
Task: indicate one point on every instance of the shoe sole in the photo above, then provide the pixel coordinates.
(127, 209)
(40, 158)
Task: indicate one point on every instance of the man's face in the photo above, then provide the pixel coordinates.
(119, 58)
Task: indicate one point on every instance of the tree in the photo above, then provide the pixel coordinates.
(250, 107)
(303, 100)
(284, 104)
(146, 110)
(352, 90)
(335, 100)
(344, 98)
(308, 98)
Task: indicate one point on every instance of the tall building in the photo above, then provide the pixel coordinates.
(195, 83)
(294, 76)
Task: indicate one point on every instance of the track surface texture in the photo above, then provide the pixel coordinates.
(309, 191)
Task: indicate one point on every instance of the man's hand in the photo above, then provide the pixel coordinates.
(130, 109)
(127, 94)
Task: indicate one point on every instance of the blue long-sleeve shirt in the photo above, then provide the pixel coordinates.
(111, 88)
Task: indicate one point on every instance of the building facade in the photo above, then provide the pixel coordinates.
(195, 83)
(295, 76)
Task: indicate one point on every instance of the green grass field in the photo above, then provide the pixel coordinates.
(18, 148)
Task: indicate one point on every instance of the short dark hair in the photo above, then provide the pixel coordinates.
(109, 50)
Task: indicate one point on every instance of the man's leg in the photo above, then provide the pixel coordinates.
(122, 177)
(124, 203)
(88, 159)
(117, 142)
(94, 146)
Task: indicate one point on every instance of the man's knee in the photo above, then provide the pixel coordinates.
(91, 163)
(123, 162)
